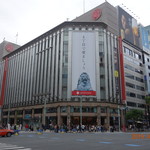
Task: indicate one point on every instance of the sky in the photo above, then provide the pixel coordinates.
(23, 20)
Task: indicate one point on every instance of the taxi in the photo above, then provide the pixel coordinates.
(6, 132)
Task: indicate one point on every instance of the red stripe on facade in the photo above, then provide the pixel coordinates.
(123, 90)
(93, 93)
(4, 82)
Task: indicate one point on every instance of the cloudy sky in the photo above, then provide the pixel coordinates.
(31, 18)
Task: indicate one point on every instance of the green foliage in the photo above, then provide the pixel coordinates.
(147, 98)
(134, 115)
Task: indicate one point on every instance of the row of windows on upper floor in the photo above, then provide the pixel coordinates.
(132, 104)
(132, 53)
(131, 60)
(133, 69)
(128, 75)
(131, 94)
(135, 86)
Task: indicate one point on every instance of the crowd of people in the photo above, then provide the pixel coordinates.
(62, 128)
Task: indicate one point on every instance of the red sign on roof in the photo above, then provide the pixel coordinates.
(9, 47)
(96, 14)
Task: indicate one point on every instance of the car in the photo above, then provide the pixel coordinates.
(6, 132)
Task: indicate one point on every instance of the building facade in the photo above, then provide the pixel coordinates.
(80, 72)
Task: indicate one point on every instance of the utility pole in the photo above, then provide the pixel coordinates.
(80, 109)
(44, 111)
(119, 117)
(8, 118)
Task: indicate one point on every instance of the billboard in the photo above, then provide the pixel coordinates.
(128, 28)
(83, 63)
(144, 36)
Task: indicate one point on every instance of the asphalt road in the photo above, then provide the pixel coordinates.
(77, 141)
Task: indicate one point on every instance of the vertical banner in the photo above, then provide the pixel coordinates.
(83, 63)
(4, 82)
(123, 91)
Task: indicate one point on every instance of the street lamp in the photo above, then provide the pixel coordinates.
(80, 109)
(8, 118)
(119, 117)
(44, 111)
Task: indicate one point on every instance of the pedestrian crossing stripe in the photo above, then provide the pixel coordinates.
(134, 145)
(4, 146)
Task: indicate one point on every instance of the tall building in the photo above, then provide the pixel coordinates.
(146, 57)
(80, 72)
(133, 60)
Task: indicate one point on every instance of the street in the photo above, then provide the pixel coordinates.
(76, 141)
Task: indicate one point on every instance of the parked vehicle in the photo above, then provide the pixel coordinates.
(6, 132)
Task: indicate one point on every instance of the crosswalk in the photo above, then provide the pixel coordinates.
(4, 146)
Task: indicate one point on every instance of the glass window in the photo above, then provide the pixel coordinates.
(130, 85)
(28, 111)
(12, 112)
(139, 88)
(129, 76)
(141, 105)
(38, 111)
(130, 94)
(131, 104)
(51, 110)
(5, 113)
(63, 109)
(103, 109)
(19, 112)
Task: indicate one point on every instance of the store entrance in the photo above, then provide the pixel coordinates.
(85, 120)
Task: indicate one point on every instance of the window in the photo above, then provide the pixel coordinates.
(141, 105)
(136, 55)
(28, 111)
(129, 76)
(139, 79)
(131, 104)
(19, 112)
(38, 111)
(51, 110)
(130, 94)
(139, 88)
(102, 76)
(103, 110)
(130, 53)
(130, 85)
(138, 71)
(63, 109)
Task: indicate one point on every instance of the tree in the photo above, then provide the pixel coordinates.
(147, 100)
(134, 115)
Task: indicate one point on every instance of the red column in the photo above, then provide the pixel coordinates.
(123, 90)
(4, 82)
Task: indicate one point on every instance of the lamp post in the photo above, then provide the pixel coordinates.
(119, 118)
(81, 110)
(44, 111)
(8, 118)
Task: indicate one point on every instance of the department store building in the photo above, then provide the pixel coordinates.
(69, 75)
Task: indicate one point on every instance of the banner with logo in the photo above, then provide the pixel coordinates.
(83, 63)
